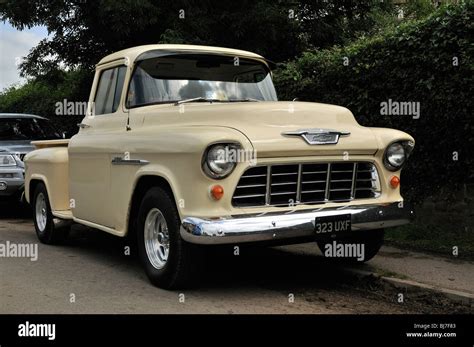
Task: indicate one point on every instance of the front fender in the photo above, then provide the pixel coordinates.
(174, 154)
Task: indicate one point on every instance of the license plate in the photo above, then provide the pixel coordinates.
(332, 224)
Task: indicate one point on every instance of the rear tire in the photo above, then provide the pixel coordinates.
(371, 239)
(168, 260)
(43, 218)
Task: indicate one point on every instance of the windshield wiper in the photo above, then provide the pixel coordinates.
(202, 99)
(199, 99)
(245, 100)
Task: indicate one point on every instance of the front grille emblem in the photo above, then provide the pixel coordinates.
(318, 136)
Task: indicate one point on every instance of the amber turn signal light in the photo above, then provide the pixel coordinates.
(395, 182)
(217, 192)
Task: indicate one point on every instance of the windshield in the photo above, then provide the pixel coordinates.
(18, 129)
(185, 76)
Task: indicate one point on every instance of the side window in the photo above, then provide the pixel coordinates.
(109, 89)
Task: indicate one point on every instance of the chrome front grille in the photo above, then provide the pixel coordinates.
(291, 184)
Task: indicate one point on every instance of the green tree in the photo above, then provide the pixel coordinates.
(83, 31)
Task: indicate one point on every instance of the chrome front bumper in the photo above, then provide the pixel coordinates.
(289, 225)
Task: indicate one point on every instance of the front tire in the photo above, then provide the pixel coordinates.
(371, 239)
(43, 218)
(168, 260)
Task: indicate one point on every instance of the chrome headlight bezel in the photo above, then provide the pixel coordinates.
(388, 161)
(209, 161)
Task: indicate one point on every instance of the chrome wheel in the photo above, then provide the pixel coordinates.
(156, 238)
(41, 213)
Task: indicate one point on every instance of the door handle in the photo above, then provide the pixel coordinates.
(122, 161)
(83, 125)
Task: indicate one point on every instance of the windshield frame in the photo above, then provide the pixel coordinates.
(158, 53)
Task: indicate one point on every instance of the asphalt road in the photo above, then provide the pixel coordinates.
(90, 273)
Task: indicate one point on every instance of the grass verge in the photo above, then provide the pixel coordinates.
(436, 239)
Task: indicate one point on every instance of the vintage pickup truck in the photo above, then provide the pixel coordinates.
(187, 146)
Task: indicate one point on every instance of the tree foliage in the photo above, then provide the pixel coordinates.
(83, 31)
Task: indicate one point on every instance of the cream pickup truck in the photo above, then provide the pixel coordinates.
(188, 146)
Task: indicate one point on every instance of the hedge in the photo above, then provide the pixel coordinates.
(428, 61)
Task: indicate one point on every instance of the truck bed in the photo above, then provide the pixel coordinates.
(48, 164)
(50, 143)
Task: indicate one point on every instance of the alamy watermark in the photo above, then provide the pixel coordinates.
(19, 250)
(237, 155)
(74, 108)
(28, 329)
(400, 108)
(345, 250)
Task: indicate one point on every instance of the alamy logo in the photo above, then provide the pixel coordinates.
(234, 155)
(400, 108)
(28, 329)
(74, 108)
(19, 250)
(345, 250)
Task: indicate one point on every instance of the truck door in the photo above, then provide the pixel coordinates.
(90, 150)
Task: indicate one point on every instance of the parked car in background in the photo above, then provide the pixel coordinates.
(16, 133)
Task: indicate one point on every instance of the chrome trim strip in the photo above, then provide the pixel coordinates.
(354, 177)
(328, 183)
(315, 131)
(278, 225)
(121, 161)
(83, 125)
(268, 193)
(298, 183)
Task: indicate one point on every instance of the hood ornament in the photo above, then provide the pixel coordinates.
(318, 136)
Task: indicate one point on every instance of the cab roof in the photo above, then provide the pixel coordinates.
(134, 52)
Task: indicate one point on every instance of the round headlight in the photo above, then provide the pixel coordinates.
(395, 156)
(219, 162)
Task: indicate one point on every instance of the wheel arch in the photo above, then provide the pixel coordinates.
(142, 185)
(33, 183)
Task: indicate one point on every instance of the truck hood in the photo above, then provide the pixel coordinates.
(264, 123)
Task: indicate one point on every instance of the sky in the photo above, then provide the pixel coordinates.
(14, 45)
